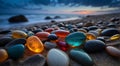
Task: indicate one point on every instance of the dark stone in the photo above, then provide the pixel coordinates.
(4, 31)
(38, 30)
(52, 37)
(18, 18)
(60, 25)
(94, 46)
(16, 41)
(4, 41)
(88, 24)
(111, 25)
(92, 28)
(48, 18)
(57, 17)
(6, 63)
(109, 32)
(35, 60)
(101, 39)
(114, 19)
(73, 30)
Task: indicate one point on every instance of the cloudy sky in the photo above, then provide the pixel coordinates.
(59, 6)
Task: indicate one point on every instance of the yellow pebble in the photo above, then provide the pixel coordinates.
(115, 37)
(90, 36)
(19, 34)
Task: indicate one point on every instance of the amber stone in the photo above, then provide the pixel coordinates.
(115, 37)
(113, 51)
(34, 44)
(3, 55)
(62, 33)
(42, 35)
(19, 34)
(90, 36)
(49, 30)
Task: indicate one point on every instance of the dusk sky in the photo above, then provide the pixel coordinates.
(59, 6)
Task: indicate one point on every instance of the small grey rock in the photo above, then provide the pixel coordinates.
(49, 45)
(35, 60)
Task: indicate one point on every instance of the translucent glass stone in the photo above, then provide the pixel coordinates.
(115, 37)
(61, 33)
(19, 34)
(75, 39)
(34, 44)
(3, 55)
(90, 36)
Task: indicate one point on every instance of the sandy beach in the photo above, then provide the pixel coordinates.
(101, 21)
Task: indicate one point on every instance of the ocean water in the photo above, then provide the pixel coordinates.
(37, 18)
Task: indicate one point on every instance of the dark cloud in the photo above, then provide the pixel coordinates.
(94, 3)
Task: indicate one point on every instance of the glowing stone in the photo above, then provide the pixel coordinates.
(19, 34)
(42, 35)
(34, 44)
(75, 39)
(62, 33)
(16, 51)
(90, 36)
(115, 37)
(3, 55)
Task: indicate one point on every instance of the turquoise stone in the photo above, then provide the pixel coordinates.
(16, 51)
(81, 57)
(75, 39)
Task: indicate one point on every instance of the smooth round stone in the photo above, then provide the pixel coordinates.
(73, 30)
(3, 55)
(94, 46)
(49, 45)
(75, 39)
(15, 42)
(111, 25)
(16, 51)
(62, 45)
(61, 33)
(81, 57)
(30, 33)
(5, 40)
(35, 60)
(34, 44)
(109, 32)
(90, 36)
(52, 37)
(115, 37)
(92, 28)
(43, 36)
(82, 30)
(113, 51)
(49, 30)
(19, 34)
(94, 32)
(88, 24)
(57, 57)
(101, 39)
(36, 31)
